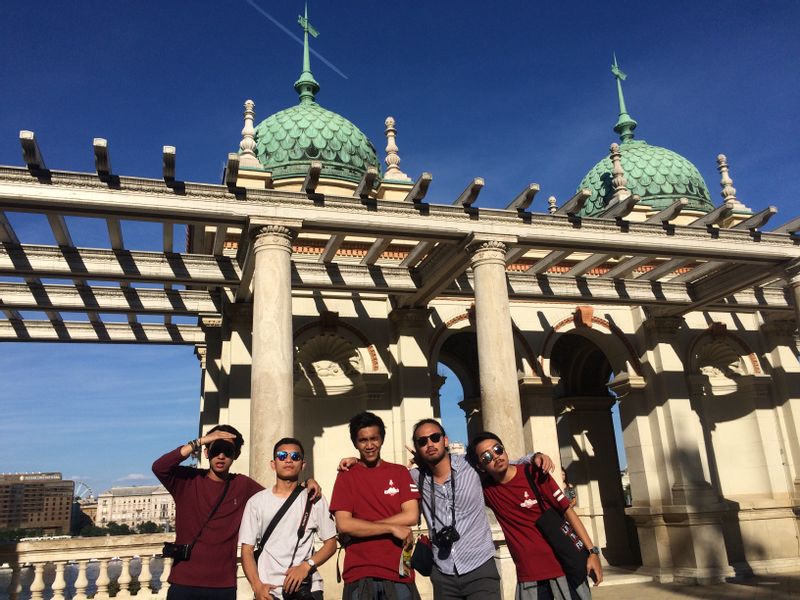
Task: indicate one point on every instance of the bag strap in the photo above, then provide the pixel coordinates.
(275, 520)
(213, 510)
(302, 528)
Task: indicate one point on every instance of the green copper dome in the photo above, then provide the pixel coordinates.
(659, 176)
(288, 141)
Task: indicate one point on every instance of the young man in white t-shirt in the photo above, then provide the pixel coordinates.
(285, 561)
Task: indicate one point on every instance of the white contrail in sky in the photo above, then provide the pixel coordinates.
(283, 28)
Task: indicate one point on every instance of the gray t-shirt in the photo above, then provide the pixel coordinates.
(276, 557)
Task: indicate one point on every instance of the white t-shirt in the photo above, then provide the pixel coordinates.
(275, 559)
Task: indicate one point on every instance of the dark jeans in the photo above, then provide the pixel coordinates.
(190, 592)
(379, 589)
(482, 583)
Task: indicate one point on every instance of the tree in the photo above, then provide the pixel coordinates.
(148, 527)
(115, 528)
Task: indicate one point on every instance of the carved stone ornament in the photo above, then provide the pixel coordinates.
(722, 365)
(487, 252)
(583, 316)
(273, 235)
(327, 365)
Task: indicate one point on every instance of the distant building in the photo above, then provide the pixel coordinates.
(457, 448)
(40, 501)
(133, 505)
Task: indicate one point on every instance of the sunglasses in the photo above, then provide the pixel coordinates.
(220, 447)
(489, 455)
(282, 455)
(423, 439)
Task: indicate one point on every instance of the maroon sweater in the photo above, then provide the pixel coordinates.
(213, 561)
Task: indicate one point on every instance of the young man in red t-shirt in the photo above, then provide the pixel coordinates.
(509, 495)
(375, 503)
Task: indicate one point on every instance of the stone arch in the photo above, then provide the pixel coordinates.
(330, 324)
(613, 343)
(465, 322)
(722, 360)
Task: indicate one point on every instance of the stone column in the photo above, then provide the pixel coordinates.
(411, 378)
(539, 422)
(497, 365)
(271, 378)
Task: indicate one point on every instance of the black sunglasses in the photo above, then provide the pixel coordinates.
(220, 447)
(489, 455)
(282, 455)
(423, 439)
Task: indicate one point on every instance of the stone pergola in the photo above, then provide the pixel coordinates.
(253, 248)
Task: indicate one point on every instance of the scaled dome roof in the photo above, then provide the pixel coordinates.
(658, 175)
(289, 140)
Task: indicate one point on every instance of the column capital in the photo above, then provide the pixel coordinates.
(487, 252)
(272, 236)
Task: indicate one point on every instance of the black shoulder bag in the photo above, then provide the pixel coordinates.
(558, 533)
(422, 557)
(178, 552)
(275, 520)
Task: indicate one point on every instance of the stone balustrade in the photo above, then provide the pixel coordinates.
(80, 568)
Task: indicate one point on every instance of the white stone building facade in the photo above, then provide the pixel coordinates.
(134, 505)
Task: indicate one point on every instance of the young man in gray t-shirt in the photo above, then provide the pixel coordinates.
(286, 560)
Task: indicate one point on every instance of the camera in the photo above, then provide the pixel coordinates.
(446, 536)
(176, 551)
(302, 593)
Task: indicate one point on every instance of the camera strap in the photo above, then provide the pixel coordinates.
(275, 520)
(213, 510)
(433, 499)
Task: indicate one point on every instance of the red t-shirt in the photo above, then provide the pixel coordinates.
(373, 494)
(213, 560)
(515, 506)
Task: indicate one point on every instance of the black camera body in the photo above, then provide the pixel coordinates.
(177, 552)
(302, 593)
(446, 536)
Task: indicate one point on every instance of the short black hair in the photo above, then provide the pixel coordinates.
(284, 442)
(472, 454)
(365, 419)
(422, 422)
(238, 442)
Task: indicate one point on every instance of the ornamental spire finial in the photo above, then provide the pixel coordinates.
(619, 182)
(247, 146)
(726, 183)
(625, 124)
(306, 86)
(392, 157)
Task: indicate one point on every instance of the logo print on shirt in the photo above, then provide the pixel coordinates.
(391, 490)
(527, 502)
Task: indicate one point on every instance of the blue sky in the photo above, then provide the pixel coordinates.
(515, 92)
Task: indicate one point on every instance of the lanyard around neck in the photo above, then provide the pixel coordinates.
(433, 499)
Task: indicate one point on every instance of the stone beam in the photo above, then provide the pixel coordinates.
(99, 332)
(117, 265)
(201, 203)
(352, 277)
(107, 299)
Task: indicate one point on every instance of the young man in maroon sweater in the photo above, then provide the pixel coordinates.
(210, 571)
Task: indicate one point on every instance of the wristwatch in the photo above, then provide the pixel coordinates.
(595, 550)
(311, 563)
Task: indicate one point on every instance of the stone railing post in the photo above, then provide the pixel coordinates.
(81, 581)
(37, 586)
(124, 580)
(102, 580)
(145, 577)
(59, 583)
(15, 586)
